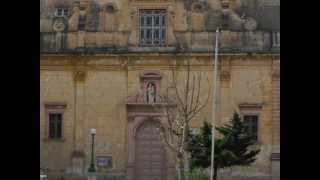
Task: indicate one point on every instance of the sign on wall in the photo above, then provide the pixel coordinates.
(104, 161)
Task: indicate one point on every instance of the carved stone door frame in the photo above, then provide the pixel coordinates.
(135, 121)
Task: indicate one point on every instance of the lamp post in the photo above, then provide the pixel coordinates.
(215, 75)
(92, 168)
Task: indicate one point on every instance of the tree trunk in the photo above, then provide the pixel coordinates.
(181, 175)
(215, 173)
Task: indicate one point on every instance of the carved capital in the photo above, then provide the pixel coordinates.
(79, 75)
(276, 74)
(225, 76)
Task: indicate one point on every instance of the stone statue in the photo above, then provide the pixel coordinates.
(151, 93)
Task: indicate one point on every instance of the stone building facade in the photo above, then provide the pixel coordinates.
(99, 56)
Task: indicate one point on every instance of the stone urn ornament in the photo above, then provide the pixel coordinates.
(250, 24)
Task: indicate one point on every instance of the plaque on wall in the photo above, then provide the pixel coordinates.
(104, 161)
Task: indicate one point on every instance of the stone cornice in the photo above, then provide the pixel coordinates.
(160, 61)
(45, 56)
(151, 61)
(159, 53)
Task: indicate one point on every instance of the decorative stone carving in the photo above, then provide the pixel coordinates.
(59, 25)
(93, 17)
(250, 24)
(225, 6)
(79, 76)
(225, 76)
(198, 7)
(110, 22)
(151, 93)
(74, 19)
(111, 8)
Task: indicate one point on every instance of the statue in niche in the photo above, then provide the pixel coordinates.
(151, 93)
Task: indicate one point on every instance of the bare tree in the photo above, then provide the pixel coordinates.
(189, 102)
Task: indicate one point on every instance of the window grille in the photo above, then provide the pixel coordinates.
(62, 12)
(152, 27)
(55, 125)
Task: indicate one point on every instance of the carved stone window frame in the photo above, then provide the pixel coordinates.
(252, 109)
(65, 12)
(136, 6)
(54, 107)
(62, 5)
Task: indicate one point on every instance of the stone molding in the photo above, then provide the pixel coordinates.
(78, 154)
(55, 105)
(150, 1)
(250, 108)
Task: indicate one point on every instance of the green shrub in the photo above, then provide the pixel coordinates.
(196, 174)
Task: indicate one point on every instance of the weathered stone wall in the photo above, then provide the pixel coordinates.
(56, 86)
(96, 99)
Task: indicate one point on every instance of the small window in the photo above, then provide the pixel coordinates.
(276, 39)
(55, 125)
(251, 122)
(54, 120)
(62, 12)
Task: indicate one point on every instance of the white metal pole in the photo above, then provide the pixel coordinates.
(214, 108)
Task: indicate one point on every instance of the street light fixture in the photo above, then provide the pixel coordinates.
(92, 166)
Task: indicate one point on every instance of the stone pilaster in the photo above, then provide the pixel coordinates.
(78, 156)
(275, 156)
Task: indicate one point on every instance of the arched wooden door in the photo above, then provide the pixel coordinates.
(150, 153)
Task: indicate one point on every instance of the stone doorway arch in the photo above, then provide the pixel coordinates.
(139, 126)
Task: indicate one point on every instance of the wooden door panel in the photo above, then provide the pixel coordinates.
(150, 153)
